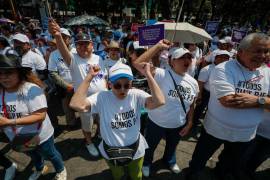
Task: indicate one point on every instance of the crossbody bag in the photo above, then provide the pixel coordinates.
(22, 142)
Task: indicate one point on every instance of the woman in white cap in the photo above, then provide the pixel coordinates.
(119, 111)
(174, 119)
(24, 117)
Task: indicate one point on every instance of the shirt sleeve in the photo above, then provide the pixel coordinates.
(36, 99)
(40, 63)
(221, 82)
(204, 74)
(52, 66)
(94, 102)
(159, 75)
(142, 96)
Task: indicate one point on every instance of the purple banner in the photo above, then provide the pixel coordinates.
(238, 35)
(211, 27)
(150, 35)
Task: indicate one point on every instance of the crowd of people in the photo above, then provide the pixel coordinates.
(136, 96)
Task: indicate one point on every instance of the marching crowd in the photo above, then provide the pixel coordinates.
(110, 80)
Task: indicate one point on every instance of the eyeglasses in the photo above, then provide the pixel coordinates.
(120, 86)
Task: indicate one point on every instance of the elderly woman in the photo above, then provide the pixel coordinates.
(119, 111)
(24, 113)
(174, 119)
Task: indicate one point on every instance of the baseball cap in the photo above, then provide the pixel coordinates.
(21, 37)
(82, 37)
(120, 70)
(222, 41)
(65, 32)
(220, 52)
(178, 53)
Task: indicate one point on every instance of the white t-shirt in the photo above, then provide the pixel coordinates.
(34, 61)
(79, 68)
(231, 124)
(264, 127)
(120, 119)
(205, 75)
(172, 115)
(28, 99)
(57, 64)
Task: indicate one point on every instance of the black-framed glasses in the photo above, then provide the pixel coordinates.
(120, 86)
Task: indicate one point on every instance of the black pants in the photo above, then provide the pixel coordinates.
(257, 153)
(5, 162)
(230, 159)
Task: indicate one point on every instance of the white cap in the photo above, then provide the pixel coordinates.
(220, 52)
(21, 37)
(65, 31)
(171, 50)
(228, 39)
(179, 53)
(120, 70)
(222, 41)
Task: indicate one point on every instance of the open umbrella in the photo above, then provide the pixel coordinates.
(185, 32)
(5, 20)
(86, 20)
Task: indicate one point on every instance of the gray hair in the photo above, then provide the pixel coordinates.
(247, 41)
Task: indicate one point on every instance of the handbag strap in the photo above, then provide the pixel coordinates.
(178, 93)
(7, 116)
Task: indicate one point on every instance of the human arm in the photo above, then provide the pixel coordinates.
(79, 101)
(35, 117)
(58, 80)
(149, 54)
(201, 87)
(243, 100)
(157, 99)
(54, 29)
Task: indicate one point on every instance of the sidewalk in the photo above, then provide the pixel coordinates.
(81, 166)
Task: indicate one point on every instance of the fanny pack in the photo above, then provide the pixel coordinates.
(121, 156)
(22, 142)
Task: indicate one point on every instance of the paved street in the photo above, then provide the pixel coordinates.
(81, 166)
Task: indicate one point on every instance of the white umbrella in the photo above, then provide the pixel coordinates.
(86, 20)
(185, 32)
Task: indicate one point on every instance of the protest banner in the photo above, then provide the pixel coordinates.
(238, 35)
(211, 27)
(150, 35)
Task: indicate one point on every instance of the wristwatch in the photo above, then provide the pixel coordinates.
(261, 101)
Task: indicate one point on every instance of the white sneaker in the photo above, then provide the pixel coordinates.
(37, 174)
(92, 150)
(146, 171)
(10, 172)
(62, 175)
(175, 169)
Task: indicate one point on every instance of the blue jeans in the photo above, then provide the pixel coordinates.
(153, 135)
(47, 150)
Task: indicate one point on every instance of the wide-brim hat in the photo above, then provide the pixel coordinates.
(11, 61)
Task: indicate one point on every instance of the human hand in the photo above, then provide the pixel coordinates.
(243, 100)
(54, 28)
(164, 44)
(5, 122)
(186, 129)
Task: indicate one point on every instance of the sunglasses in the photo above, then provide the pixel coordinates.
(120, 86)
